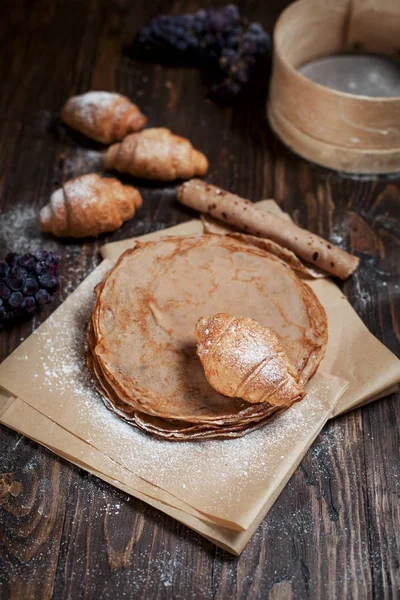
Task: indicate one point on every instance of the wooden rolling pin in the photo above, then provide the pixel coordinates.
(244, 215)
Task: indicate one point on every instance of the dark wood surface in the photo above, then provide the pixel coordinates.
(334, 531)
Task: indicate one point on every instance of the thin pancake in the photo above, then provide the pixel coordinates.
(166, 428)
(143, 342)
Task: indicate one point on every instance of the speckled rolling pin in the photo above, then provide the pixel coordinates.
(246, 216)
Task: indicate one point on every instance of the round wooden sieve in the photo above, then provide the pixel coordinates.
(335, 129)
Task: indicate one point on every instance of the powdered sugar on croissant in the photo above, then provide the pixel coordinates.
(156, 154)
(89, 205)
(244, 359)
(103, 116)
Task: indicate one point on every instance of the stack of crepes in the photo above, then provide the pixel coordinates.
(142, 346)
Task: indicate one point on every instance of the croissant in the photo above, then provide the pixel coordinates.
(89, 205)
(156, 154)
(244, 359)
(103, 116)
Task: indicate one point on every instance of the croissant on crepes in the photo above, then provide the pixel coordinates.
(156, 154)
(89, 205)
(103, 116)
(243, 359)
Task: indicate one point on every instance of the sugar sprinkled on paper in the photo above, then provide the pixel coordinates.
(243, 467)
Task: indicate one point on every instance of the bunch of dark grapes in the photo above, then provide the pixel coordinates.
(26, 283)
(216, 39)
(238, 62)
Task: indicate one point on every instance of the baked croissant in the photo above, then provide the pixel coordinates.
(89, 205)
(243, 359)
(156, 154)
(103, 116)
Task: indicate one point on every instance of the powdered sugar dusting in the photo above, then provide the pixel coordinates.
(83, 190)
(230, 478)
(62, 344)
(98, 98)
(20, 230)
(86, 106)
(57, 199)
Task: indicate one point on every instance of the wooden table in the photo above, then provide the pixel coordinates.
(334, 531)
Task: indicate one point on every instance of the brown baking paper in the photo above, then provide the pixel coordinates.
(57, 384)
(22, 417)
(181, 478)
(49, 434)
(18, 415)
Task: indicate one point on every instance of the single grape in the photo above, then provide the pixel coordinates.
(15, 279)
(41, 267)
(16, 299)
(201, 14)
(45, 280)
(42, 255)
(11, 258)
(27, 261)
(217, 20)
(256, 28)
(43, 297)
(29, 304)
(31, 286)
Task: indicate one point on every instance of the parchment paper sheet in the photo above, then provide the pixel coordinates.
(55, 403)
(22, 417)
(57, 384)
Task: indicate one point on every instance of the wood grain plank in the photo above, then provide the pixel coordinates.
(334, 532)
(31, 518)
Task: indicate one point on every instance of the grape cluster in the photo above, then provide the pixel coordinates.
(26, 283)
(207, 38)
(238, 62)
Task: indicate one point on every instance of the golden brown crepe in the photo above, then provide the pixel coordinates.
(142, 347)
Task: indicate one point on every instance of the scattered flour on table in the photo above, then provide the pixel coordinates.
(83, 161)
(20, 233)
(20, 230)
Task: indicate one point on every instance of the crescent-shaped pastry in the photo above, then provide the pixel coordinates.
(103, 116)
(243, 359)
(156, 153)
(89, 205)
